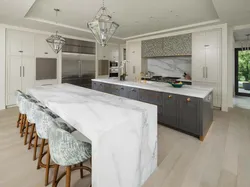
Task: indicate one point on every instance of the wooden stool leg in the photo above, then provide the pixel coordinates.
(68, 176)
(22, 124)
(81, 171)
(54, 184)
(18, 121)
(26, 132)
(47, 167)
(31, 135)
(40, 154)
(35, 146)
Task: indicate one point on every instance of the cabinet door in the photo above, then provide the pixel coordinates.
(198, 40)
(28, 68)
(116, 90)
(28, 40)
(42, 48)
(133, 93)
(212, 64)
(198, 64)
(14, 78)
(189, 114)
(213, 38)
(14, 40)
(170, 110)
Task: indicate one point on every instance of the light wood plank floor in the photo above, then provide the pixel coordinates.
(222, 160)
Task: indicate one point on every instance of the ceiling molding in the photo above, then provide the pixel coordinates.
(173, 29)
(241, 27)
(65, 26)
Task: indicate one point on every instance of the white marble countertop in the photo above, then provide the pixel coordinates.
(186, 90)
(123, 132)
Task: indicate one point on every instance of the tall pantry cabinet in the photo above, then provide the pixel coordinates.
(206, 62)
(20, 61)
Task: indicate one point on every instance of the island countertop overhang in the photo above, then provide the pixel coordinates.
(186, 90)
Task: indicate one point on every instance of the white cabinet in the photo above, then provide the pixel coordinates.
(42, 48)
(206, 61)
(134, 65)
(110, 52)
(20, 62)
(20, 43)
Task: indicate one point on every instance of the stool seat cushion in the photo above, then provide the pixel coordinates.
(65, 150)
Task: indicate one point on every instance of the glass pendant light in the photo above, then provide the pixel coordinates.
(56, 41)
(102, 26)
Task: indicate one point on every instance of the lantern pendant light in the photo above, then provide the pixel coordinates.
(56, 41)
(102, 26)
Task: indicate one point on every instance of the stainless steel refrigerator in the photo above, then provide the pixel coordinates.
(78, 69)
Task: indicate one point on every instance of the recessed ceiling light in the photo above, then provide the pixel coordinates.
(151, 17)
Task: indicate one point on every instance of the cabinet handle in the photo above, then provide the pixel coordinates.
(20, 51)
(46, 53)
(170, 96)
(20, 72)
(204, 72)
(122, 88)
(188, 99)
(23, 71)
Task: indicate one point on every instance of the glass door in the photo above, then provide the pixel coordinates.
(242, 72)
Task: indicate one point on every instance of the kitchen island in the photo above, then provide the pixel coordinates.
(188, 109)
(123, 132)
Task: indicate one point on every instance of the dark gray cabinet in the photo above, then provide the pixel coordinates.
(170, 110)
(189, 114)
(132, 93)
(152, 97)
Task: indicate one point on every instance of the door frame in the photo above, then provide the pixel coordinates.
(236, 74)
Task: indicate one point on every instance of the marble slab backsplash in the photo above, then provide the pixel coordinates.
(170, 66)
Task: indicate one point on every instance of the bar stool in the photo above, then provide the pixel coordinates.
(19, 96)
(44, 120)
(32, 108)
(67, 151)
(23, 110)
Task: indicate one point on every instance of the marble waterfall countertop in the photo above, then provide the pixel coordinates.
(123, 132)
(187, 90)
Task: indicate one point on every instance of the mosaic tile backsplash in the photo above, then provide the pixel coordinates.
(170, 66)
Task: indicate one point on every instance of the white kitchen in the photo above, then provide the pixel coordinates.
(103, 93)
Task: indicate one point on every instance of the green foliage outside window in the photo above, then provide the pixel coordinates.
(244, 66)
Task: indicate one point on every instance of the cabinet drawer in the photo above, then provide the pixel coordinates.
(123, 91)
(133, 93)
(189, 114)
(116, 90)
(151, 97)
(108, 88)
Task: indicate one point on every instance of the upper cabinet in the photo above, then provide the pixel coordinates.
(110, 52)
(180, 45)
(42, 48)
(20, 43)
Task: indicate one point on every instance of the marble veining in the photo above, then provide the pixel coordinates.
(123, 132)
(186, 90)
(170, 66)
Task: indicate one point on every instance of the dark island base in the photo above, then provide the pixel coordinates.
(190, 115)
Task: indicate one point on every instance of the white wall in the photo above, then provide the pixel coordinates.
(224, 63)
(230, 86)
(2, 67)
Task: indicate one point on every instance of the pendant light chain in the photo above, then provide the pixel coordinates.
(103, 3)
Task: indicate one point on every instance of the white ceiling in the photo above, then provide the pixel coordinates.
(240, 35)
(135, 17)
